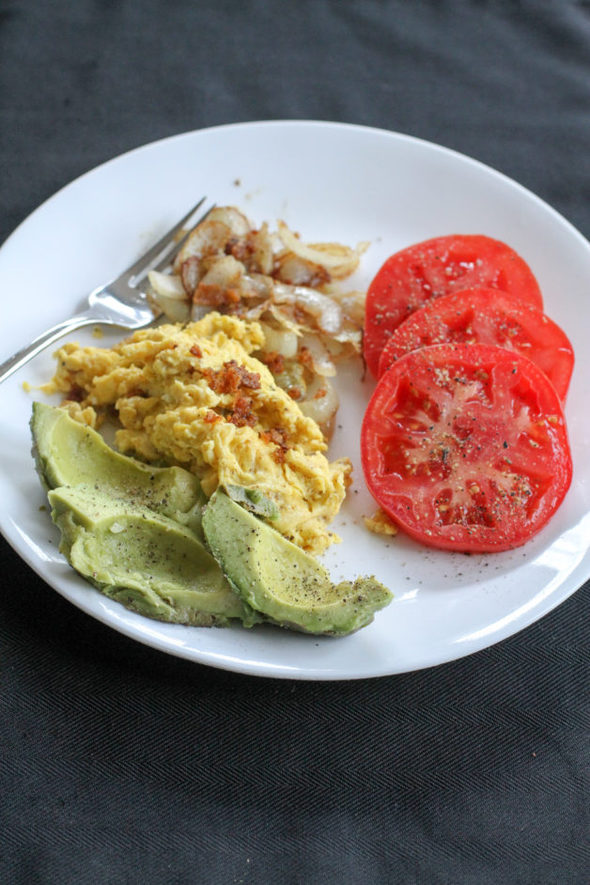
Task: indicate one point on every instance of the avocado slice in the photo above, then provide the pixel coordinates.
(144, 560)
(253, 500)
(68, 453)
(280, 580)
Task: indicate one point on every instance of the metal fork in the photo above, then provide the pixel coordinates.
(118, 303)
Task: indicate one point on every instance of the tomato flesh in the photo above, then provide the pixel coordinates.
(486, 316)
(465, 447)
(412, 277)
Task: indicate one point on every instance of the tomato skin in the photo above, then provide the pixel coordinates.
(486, 316)
(415, 275)
(465, 447)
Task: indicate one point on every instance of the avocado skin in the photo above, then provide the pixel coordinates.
(146, 561)
(67, 453)
(278, 579)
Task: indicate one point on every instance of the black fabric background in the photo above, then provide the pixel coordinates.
(119, 764)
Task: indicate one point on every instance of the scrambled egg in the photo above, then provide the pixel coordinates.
(194, 395)
(380, 524)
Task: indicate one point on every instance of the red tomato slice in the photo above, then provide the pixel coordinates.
(465, 447)
(486, 316)
(415, 275)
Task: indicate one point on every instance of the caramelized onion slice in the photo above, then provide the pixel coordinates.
(207, 238)
(169, 295)
(315, 356)
(235, 220)
(281, 341)
(298, 271)
(321, 403)
(224, 273)
(339, 260)
(167, 284)
(325, 311)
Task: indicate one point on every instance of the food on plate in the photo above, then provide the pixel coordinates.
(465, 447)
(68, 453)
(220, 490)
(290, 287)
(196, 396)
(380, 524)
(486, 316)
(131, 529)
(464, 451)
(220, 493)
(148, 562)
(414, 276)
(276, 578)
(144, 536)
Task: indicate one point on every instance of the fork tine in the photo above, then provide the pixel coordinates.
(145, 263)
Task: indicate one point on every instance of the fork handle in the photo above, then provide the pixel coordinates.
(42, 341)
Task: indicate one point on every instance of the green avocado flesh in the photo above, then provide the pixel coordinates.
(146, 537)
(280, 580)
(146, 561)
(68, 453)
(134, 531)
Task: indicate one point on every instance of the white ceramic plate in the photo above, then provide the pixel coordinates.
(336, 182)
